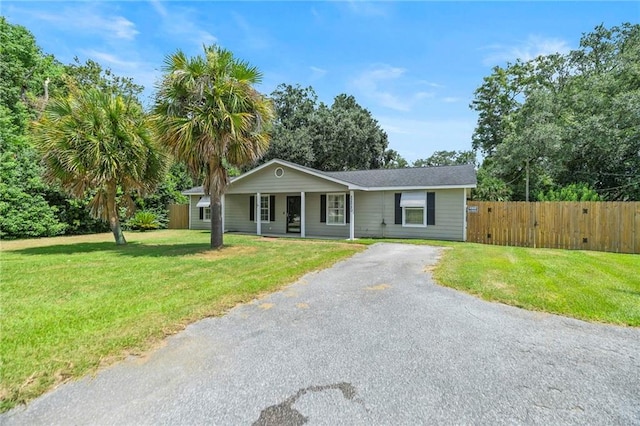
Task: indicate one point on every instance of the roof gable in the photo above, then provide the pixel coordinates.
(281, 177)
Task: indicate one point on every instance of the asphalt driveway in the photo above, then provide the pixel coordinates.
(370, 341)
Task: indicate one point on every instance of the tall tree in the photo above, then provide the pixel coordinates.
(291, 138)
(393, 160)
(95, 141)
(211, 117)
(347, 137)
(91, 74)
(24, 73)
(343, 136)
(447, 158)
(567, 119)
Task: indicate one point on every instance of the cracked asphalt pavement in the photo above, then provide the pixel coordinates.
(370, 341)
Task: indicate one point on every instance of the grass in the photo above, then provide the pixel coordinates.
(588, 285)
(70, 305)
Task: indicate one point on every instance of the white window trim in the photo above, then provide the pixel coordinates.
(414, 225)
(268, 204)
(204, 214)
(422, 197)
(344, 208)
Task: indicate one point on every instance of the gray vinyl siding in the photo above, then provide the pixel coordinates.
(293, 181)
(314, 227)
(372, 207)
(237, 215)
(194, 212)
(236, 219)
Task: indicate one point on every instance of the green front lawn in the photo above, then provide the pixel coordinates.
(589, 285)
(72, 304)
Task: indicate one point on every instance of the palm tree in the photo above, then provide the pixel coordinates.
(102, 143)
(211, 118)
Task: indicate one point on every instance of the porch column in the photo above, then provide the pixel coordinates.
(352, 225)
(257, 215)
(465, 214)
(222, 212)
(190, 197)
(302, 215)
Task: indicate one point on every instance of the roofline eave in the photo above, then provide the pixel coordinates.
(372, 189)
(419, 187)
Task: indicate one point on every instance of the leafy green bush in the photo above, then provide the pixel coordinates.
(143, 221)
(573, 192)
(24, 213)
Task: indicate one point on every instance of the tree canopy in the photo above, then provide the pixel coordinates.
(343, 136)
(447, 158)
(566, 119)
(24, 69)
(95, 141)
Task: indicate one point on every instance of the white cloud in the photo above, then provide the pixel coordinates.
(367, 8)
(142, 72)
(450, 99)
(109, 59)
(526, 50)
(431, 84)
(159, 7)
(182, 24)
(317, 73)
(87, 20)
(424, 95)
(389, 87)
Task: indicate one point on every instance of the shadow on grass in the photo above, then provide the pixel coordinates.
(132, 249)
(630, 292)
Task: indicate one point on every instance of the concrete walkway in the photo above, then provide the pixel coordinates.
(371, 341)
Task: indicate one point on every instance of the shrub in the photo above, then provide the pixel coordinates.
(143, 221)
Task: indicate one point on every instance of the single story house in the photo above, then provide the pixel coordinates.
(283, 198)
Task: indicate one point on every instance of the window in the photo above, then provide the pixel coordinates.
(335, 209)
(414, 208)
(204, 204)
(267, 210)
(414, 216)
(264, 208)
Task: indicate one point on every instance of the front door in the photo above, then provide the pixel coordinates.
(293, 213)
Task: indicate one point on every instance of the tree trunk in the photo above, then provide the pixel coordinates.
(114, 223)
(216, 222)
(112, 212)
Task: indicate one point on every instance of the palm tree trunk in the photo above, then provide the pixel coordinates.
(114, 223)
(216, 222)
(112, 212)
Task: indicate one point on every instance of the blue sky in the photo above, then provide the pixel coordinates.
(414, 65)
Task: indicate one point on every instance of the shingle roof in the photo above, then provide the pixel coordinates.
(409, 177)
(417, 177)
(196, 190)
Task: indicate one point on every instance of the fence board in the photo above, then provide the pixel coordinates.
(178, 216)
(601, 226)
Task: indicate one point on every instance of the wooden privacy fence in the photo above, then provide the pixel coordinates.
(602, 226)
(178, 216)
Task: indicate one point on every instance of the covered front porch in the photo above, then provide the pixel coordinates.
(297, 214)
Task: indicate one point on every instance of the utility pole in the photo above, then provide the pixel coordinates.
(527, 190)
